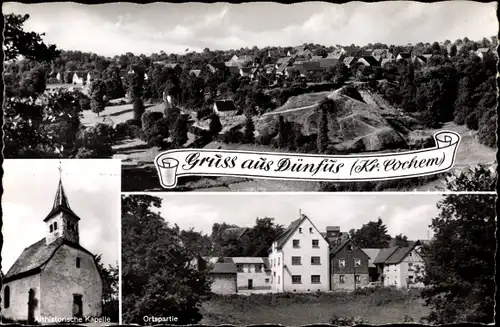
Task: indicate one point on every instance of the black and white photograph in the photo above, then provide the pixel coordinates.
(130, 81)
(61, 242)
(297, 259)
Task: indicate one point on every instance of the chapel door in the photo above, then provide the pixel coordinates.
(77, 306)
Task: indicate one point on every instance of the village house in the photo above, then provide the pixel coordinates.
(369, 61)
(349, 266)
(78, 78)
(400, 266)
(253, 273)
(403, 55)
(299, 259)
(216, 67)
(350, 61)
(326, 63)
(175, 67)
(56, 276)
(336, 54)
(224, 278)
(225, 108)
(380, 52)
(334, 236)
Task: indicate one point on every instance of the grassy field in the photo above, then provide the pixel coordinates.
(380, 307)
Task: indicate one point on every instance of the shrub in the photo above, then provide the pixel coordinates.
(156, 134)
(233, 136)
(97, 140)
(471, 121)
(264, 139)
(149, 119)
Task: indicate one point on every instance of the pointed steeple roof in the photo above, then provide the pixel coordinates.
(61, 203)
(60, 200)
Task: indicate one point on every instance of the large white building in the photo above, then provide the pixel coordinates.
(299, 259)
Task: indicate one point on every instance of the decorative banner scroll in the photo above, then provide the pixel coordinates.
(311, 167)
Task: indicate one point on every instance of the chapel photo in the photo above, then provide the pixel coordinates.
(61, 241)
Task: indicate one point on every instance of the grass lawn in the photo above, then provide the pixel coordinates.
(385, 307)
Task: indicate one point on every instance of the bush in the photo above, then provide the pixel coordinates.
(135, 122)
(471, 121)
(156, 134)
(149, 119)
(233, 136)
(97, 141)
(264, 139)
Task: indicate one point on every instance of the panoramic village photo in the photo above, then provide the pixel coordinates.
(298, 259)
(61, 232)
(129, 81)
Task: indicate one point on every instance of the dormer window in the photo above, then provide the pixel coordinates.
(77, 262)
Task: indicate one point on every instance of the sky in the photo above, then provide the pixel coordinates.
(409, 214)
(29, 190)
(117, 28)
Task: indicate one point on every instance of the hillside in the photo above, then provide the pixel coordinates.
(361, 120)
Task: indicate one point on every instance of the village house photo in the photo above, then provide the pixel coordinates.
(64, 267)
(295, 259)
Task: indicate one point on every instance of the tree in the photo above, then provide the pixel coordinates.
(180, 131)
(401, 240)
(322, 140)
(215, 126)
(139, 108)
(282, 132)
(29, 45)
(248, 135)
(109, 277)
(371, 235)
(261, 236)
(460, 260)
(157, 272)
(97, 96)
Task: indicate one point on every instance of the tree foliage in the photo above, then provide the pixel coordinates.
(460, 260)
(371, 235)
(110, 290)
(157, 272)
(29, 45)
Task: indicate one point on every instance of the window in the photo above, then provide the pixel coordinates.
(357, 262)
(6, 297)
(315, 243)
(300, 230)
(315, 279)
(258, 268)
(349, 247)
(55, 225)
(357, 278)
(410, 266)
(410, 277)
(51, 228)
(296, 261)
(310, 230)
(296, 243)
(342, 263)
(77, 262)
(267, 280)
(296, 279)
(341, 279)
(239, 268)
(410, 254)
(315, 260)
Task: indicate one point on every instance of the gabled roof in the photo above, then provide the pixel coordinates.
(394, 255)
(404, 54)
(372, 254)
(371, 60)
(483, 50)
(384, 254)
(290, 230)
(344, 243)
(61, 203)
(35, 256)
(349, 60)
(225, 105)
(282, 60)
(283, 237)
(223, 268)
(327, 62)
(216, 66)
(379, 52)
